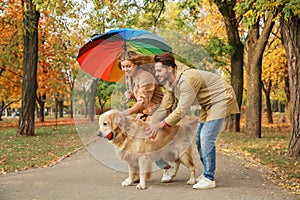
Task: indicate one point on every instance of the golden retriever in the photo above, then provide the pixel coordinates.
(128, 135)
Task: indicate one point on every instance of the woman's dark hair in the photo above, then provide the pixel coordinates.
(166, 59)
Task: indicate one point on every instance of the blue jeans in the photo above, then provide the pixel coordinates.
(206, 137)
(161, 163)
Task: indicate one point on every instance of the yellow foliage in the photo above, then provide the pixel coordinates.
(274, 67)
(209, 24)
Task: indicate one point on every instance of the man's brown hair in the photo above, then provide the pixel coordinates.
(166, 59)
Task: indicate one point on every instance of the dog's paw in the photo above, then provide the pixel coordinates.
(127, 182)
(141, 187)
(191, 181)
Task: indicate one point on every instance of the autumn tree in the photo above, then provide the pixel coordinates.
(290, 23)
(11, 45)
(259, 18)
(274, 73)
(67, 46)
(231, 20)
(29, 85)
(210, 30)
(57, 46)
(49, 75)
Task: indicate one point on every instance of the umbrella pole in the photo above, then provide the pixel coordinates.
(125, 100)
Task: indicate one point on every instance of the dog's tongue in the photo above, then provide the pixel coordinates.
(109, 136)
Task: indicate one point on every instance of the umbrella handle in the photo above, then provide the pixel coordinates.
(125, 100)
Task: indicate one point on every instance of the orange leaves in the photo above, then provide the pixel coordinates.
(10, 51)
(52, 55)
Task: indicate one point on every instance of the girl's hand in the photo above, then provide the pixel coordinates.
(128, 94)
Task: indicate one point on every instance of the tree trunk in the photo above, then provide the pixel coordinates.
(101, 105)
(253, 67)
(2, 107)
(287, 93)
(227, 10)
(29, 85)
(267, 92)
(256, 42)
(41, 99)
(72, 84)
(290, 31)
(71, 106)
(93, 99)
(61, 108)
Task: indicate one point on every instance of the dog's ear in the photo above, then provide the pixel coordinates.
(115, 118)
(119, 121)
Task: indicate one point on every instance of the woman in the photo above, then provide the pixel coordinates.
(143, 87)
(141, 84)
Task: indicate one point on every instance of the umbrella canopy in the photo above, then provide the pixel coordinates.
(99, 57)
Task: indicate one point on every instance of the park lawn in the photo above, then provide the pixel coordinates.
(50, 144)
(267, 152)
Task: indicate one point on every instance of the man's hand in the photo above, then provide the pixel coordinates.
(153, 129)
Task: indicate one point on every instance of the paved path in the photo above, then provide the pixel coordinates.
(82, 177)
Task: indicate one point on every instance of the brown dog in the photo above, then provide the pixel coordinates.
(133, 146)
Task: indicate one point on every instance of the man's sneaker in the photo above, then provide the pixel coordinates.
(204, 183)
(200, 178)
(167, 175)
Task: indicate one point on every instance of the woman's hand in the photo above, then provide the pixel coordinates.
(128, 94)
(153, 129)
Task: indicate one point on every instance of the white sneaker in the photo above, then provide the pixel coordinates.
(167, 175)
(200, 178)
(204, 183)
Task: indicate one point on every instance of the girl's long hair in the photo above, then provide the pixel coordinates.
(135, 58)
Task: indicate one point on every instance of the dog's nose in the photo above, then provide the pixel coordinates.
(99, 133)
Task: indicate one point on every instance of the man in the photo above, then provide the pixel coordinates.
(195, 87)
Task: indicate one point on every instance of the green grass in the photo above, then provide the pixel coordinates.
(47, 146)
(268, 151)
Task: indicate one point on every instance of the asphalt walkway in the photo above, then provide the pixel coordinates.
(83, 177)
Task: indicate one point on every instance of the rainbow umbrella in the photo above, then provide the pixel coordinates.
(99, 57)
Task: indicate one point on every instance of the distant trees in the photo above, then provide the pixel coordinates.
(104, 93)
